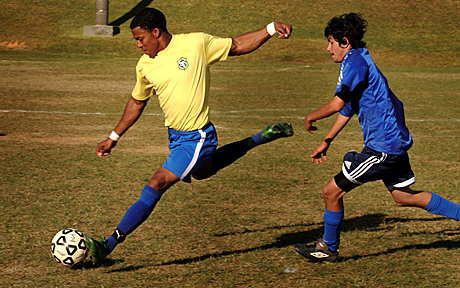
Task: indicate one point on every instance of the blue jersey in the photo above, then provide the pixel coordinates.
(380, 113)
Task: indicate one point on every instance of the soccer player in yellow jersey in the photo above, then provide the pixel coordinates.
(175, 68)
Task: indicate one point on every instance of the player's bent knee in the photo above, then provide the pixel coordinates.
(163, 180)
(201, 174)
(204, 171)
(403, 199)
(199, 177)
(409, 198)
(400, 203)
(332, 193)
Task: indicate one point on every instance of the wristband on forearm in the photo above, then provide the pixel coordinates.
(271, 29)
(114, 136)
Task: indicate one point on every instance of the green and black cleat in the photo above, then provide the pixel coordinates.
(98, 250)
(278, 130)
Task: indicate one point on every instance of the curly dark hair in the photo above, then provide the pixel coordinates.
(149, 19)
(349, 25)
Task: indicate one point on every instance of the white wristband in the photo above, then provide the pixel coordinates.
(271, 29)
(114, 136)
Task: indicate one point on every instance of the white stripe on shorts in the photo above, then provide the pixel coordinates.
(196, 154)
(362, 168)
(405, 183)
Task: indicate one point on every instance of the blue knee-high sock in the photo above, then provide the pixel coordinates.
(135, 215)
(332, 228)
(442, 206)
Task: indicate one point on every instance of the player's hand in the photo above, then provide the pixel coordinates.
(320, 152)
(308, 124)
(284, 30)
(104, 148)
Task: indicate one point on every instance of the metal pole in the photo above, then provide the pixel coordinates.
(101, 28)
(102, 12)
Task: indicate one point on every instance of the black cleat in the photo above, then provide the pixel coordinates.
(317, 253)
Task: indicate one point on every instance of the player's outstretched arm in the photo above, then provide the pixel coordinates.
(250, 41)
(331, 107)
(133, 111)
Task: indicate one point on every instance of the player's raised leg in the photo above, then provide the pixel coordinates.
(227, 154)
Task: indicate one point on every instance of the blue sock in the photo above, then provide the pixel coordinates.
(259, 139)
(442, 206)
(332, 228)
(136, 214)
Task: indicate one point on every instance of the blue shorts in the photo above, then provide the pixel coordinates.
(190, 150)
(371, 165)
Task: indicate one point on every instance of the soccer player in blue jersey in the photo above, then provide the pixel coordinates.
(175, 69)
(363, 90)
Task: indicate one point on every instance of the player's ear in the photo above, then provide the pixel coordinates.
(156, 32)
(345, 43)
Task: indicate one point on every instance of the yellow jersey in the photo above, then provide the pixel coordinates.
(180, 77)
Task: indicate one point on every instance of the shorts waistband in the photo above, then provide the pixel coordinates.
(205, 127)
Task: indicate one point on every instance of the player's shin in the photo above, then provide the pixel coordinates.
(332, 228)
(135, 216)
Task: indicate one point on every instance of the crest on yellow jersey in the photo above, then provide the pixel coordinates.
(183, 63)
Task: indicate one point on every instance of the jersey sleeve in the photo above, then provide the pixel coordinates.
(216, 48)
(353, 76)
(347, 111)
(143, 88)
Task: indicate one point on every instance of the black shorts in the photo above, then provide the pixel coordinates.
(371, 165)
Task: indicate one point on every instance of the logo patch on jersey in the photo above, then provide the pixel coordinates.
(182, 62)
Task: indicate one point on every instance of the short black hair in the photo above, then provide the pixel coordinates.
(149, 19)
(350, 25)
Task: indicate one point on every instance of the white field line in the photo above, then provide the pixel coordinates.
(233, 114)
(70, 113)
(149, 114)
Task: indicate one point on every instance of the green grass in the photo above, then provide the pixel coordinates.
(65, 92)
(417, 33)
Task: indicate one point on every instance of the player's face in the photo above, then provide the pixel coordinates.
(337, 50)
(147, 41)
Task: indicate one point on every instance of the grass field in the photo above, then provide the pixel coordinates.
(62, 93)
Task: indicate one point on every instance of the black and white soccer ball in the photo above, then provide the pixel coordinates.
(68, 247)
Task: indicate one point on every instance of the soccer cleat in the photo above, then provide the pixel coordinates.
(278, 130)
(316, 253)
(98, 250)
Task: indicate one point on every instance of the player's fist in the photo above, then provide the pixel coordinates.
(104, 147)
(284, 30)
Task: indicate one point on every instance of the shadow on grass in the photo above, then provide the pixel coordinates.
(88, 264)
(357, 223)
(131, 13)
(435, 245)
(366, 222)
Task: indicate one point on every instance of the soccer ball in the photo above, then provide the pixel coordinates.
(68, 247)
